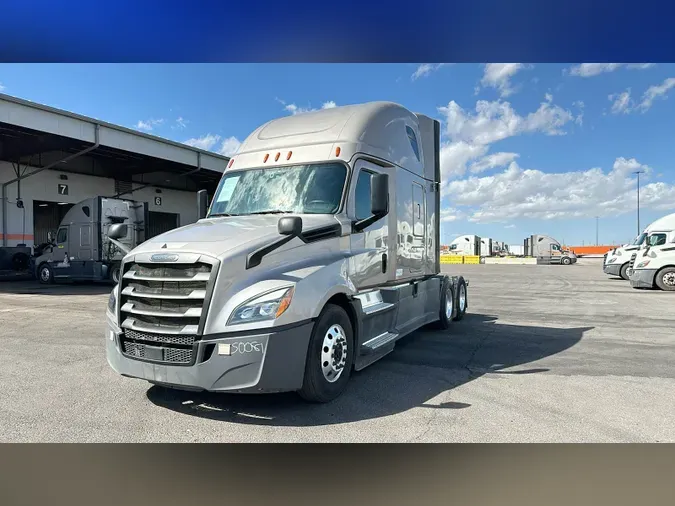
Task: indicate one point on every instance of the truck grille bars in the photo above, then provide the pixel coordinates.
(162, 307)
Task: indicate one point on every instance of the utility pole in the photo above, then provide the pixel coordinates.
(638, 172)
(596, 231)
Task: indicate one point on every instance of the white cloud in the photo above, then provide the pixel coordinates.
(595, 69)
(469, 134)
(656, 92)
(450, 214)
(1, 87)
(624, 104)
(294, 109)
(229, 146)
(510, 226)
(498, 76)
(205, 142)
(519, 193)
(181, 123)
(425, 69)
(493, 161)
(148, 125)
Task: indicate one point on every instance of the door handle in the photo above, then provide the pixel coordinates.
(384, 263)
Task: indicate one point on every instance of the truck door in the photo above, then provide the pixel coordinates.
(369, 264)
(556, 254)
(419, 228)
(61, 256)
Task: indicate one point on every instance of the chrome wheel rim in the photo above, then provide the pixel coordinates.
(669, 279)
(462, 298)
(333, 353)
(116, 275)
(448, 304)
(44, 274)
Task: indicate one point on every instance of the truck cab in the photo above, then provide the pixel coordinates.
(653, 265)
(548, 250)
(319, 251)
(658, 233)
(617, 260)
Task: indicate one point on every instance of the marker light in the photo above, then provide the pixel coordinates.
(266, 157)
(276, 158)
(230, 164)
(337, 151)
(288, 156)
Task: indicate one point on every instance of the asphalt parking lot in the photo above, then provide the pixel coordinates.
(546, 354)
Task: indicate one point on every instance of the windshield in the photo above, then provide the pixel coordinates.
(656, 239)
(300, 189)
(640, 239)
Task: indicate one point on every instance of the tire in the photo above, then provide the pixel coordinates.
(447, 296)
(45, 274)
(317, 386)
(665, 279)
(115, 274)
(565, 261)
(624, 272)
(461, 299)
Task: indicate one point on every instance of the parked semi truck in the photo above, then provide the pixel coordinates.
(486, 247)
(466, 245)
(548, 250)
(294, 276)
(616, 261)
(650, 265)
(82, 248)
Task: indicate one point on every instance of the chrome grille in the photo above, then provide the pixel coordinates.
(163, 306)
(631, 262)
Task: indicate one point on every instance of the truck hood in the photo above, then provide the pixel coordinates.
(217, 236)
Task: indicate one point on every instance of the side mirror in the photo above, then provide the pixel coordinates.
(117, 231)
(202, 204)
(379, 194)
(50, 237)
(290, 225)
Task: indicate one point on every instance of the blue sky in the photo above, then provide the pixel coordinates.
(527, 148)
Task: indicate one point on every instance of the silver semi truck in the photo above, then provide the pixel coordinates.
(296, 275)
(548, 251)
(82, 249)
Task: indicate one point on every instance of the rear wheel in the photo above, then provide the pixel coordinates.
(45, 274)
(330, 356)
(624, 271)
(447, 305)
(462, 299)
(665, 279)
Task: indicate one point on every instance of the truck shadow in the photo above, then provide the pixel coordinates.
(423, 365)
(33, 287)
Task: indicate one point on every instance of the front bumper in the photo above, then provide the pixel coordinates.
(612, 269)
(270, 361)
(642, 278)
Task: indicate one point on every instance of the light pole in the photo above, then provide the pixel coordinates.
(638, 172)
(596, 231)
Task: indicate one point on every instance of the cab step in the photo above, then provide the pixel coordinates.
(378, 343)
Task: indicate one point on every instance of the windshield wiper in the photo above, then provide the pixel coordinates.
(215, 215)
(271, 211)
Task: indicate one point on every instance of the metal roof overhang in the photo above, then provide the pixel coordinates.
(31, 132)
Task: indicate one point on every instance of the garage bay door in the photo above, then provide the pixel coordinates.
(47, 217)
(158, 223)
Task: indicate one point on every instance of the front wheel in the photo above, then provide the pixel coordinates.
(624, 272)
(115, 274)
(45, 274)
(566, 261)
(665, 279)
(330, 356)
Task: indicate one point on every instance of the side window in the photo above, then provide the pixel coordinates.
(362, 195)
(62, 236)
(413, 142)
(555, 247)
(86, 211)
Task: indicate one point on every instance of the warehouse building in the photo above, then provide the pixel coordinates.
(51, 159)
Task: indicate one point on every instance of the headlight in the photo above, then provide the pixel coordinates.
(112, 301)
(642, 264)
(612, 260)
(264, 307)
